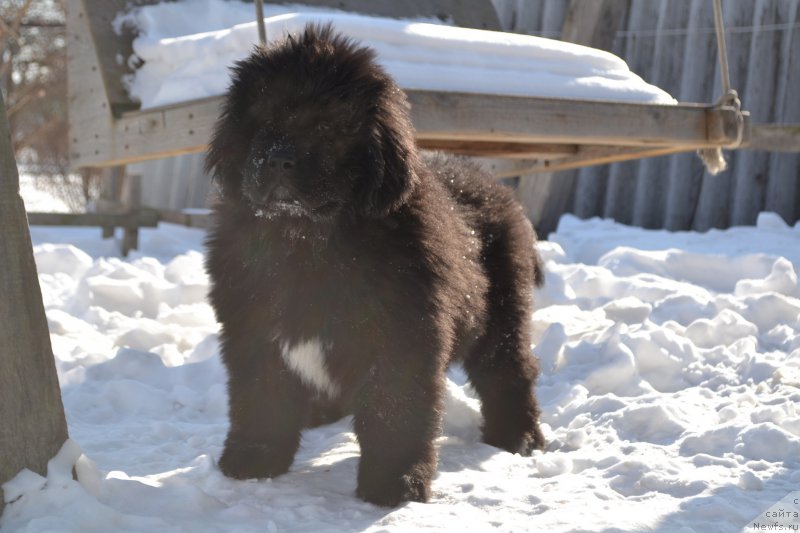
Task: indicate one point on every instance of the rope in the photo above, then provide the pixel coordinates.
(722, 48)
(262, 30)
(712, 157)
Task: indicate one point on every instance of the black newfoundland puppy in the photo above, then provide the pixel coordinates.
(347, 272)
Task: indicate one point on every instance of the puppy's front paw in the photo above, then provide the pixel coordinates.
(389, 492)
(253, 461)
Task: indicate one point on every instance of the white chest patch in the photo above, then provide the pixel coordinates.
(307, 360)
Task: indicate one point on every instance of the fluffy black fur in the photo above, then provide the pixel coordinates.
(331, 227)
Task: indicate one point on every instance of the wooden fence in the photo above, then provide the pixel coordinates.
(671, 44)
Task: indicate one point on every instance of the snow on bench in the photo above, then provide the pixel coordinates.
(187, 47)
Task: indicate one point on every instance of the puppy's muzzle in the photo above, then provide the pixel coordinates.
(273, 182)
(276, 194)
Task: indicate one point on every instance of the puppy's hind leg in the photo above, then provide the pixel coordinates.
(501, 366)
(504, 381)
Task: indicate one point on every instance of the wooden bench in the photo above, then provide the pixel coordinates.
(533, 134)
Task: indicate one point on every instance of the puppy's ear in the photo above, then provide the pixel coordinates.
(390, 171)
(225, 156)
(233, 132)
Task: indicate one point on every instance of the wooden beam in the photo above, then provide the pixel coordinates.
(439, 118)
(476, 117)
(151, 134)
(143, 219)
(184, 218)
(775, 138)
(90, 116)
(509, 168)
(601, 155)
(509, 150)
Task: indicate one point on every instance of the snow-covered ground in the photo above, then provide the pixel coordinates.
(188, 46)
(670, 394)
(39, 197)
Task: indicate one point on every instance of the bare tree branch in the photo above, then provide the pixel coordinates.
(38, 132)
(33, 77)
(11, 32)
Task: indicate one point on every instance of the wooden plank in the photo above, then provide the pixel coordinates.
(185, 128)
(783, 186)
(506, 168)
(553, 14)
(143, 219)
(154, 134)
(464, 116)
(639, 47)
(498, 149)
(185, 218)
(683, 173)
(778, 137)
(750, 174)
(90, 119)
(545, 197)
(32, 423)
(650, 205)
(594, 22)
(602, 155)
(520, 16)
(201, 189)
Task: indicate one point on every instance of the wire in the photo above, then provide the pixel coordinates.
(677, 32)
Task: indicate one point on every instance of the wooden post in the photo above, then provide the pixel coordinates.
(110, 199)
(109, 193)
(32, 423)
(132, 200)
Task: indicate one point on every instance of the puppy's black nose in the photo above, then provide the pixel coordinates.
(280, 161)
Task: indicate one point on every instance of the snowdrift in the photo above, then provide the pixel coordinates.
(670, 395)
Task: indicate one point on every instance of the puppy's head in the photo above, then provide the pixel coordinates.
(311, 127)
